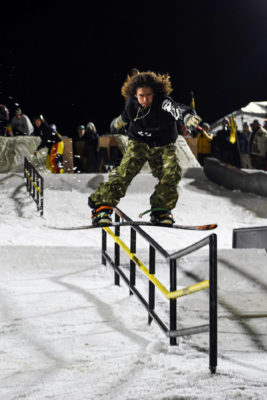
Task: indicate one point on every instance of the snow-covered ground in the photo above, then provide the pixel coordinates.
(68, 333)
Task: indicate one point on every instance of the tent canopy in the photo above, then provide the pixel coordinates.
(253, 110)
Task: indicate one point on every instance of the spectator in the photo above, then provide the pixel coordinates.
(85, 148)
(265, 124)
(222, 148)
(4, 118)
(258, 146)
(243, 140)
(204, 140)
(79, 152)
(51, 140)
(21, 124)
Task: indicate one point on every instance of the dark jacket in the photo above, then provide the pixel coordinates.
(48, 136)
(90, 140)
(223, 149)
(157, 124)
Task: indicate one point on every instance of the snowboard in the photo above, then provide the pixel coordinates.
(208, 227)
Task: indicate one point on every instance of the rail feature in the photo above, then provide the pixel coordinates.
(34, 185)
(173, 294)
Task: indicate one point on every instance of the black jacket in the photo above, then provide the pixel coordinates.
(157, 125)
(48, 136)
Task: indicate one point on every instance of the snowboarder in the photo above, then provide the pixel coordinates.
(52, 140)
(152, 116)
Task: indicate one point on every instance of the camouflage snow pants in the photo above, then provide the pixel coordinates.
(164, 165)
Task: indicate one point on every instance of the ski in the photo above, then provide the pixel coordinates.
(140, 223)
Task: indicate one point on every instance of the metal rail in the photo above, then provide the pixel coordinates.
(34, 185)
(172, 294)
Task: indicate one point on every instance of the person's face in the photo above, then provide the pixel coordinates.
(38, 123)
(18, 115)
(254, 126)
(145, 96)
(81, 132)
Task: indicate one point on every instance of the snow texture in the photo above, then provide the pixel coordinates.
(67, 332)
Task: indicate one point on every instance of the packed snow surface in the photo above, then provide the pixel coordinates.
(67, 332)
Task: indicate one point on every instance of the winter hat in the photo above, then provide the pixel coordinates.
(81, 127)
(206, 125)
(18, 111)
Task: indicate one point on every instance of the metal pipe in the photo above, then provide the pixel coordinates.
(173, 285)
(213, 302)
(190, 331)
(151, 286)
(190, 249)
(132, 263)
(117, 252)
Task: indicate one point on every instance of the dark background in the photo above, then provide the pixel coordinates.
(68, 62)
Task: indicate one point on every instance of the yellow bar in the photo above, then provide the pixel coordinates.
(133, 257)
(190, 289)
(169, 295)
(32, 181)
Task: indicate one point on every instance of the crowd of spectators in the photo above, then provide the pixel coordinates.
(85, 139)
(249, 150)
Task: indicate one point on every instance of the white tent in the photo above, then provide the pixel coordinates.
(253, 110)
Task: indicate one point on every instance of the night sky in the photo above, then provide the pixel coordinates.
(69, 62)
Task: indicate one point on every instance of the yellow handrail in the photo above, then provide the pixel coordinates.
(32, 181)
(169, 295)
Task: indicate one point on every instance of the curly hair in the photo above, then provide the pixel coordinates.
(160, 84)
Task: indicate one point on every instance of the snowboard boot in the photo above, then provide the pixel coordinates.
(101, 216)
(161, 217)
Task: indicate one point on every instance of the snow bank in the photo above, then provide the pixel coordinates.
(68, 333)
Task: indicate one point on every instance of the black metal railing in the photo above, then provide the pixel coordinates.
(34, 185)
(172, 332)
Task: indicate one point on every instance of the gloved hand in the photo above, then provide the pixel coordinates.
(192, 121)
(117, 124)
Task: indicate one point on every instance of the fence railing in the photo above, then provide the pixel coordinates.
(34, 185)
(171, 295)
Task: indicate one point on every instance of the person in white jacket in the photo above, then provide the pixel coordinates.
(21, 124)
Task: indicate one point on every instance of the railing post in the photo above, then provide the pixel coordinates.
(213, 302)
(42, 196)
(173, 286)
(117, 252)
(151, 286)
(25, 166)
(104, 246)
(37, 193)
(30, 172)
(34, 184)
(132, 263)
